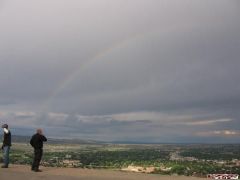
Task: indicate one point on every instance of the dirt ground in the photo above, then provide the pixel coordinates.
(18, 172)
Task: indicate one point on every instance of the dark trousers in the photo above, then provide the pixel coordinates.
(37, 158)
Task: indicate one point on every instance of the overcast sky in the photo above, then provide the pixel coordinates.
(121, 70)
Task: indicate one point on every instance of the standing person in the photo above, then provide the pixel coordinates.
(6, 145)
(37, 143)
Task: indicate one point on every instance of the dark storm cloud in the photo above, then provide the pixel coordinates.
(115, 69)
(183, 76)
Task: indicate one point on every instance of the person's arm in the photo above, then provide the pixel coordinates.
(31, 142)
(43, 138)
(6, 130)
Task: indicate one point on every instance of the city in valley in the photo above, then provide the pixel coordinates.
(197, 160)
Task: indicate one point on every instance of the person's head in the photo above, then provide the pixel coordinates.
(5, 126)
(39, 131)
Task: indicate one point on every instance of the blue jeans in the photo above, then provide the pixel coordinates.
(6, 150)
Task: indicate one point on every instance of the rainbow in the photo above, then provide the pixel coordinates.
(82, 67)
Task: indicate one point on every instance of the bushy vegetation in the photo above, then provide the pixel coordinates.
(217, 152)
(115, 159)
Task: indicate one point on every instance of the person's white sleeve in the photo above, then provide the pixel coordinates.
(6, 130)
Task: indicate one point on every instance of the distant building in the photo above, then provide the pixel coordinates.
(70, 163)
(139, 169)
(68, 156)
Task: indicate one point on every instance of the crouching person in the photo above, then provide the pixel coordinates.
(37, 143)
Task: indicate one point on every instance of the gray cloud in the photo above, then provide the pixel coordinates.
(140, 70)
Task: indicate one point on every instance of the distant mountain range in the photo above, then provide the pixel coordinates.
(26, 139)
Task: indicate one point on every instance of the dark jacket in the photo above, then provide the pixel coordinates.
(7, 139)
(37, 141)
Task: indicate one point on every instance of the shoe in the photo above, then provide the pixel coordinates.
(37, 170)
(4, 166)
